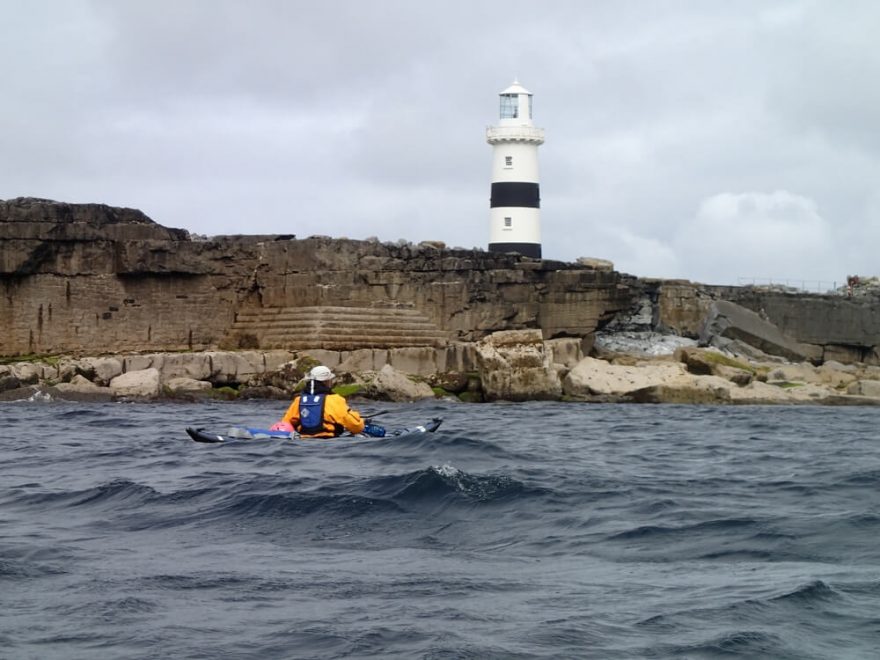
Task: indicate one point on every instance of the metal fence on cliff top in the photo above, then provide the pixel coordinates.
(806, 286)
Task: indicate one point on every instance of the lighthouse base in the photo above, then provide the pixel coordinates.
(525, 249)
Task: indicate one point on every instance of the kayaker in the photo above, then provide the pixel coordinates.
(319, 413)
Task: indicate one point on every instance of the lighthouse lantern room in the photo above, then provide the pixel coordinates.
(515, 203)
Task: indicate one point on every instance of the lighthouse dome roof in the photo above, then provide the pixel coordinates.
(516, 88)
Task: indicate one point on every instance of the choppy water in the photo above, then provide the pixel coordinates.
(544, 530)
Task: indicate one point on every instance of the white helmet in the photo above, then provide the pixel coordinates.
(321, 373)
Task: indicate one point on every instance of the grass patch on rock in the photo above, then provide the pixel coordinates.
(348, 390)
(51, 360)
(225, 393)
(720, 358)
(786, 384)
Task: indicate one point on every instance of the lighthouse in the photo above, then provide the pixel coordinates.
(515, 204)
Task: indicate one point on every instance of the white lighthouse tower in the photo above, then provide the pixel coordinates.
(515, 205)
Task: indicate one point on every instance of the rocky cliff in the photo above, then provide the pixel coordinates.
(92, 279)
(830, 327)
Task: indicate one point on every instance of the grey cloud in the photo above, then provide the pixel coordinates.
(368, 118)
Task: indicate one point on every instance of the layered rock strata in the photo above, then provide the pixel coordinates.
(89, 279)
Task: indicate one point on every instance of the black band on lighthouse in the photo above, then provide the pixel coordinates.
(515, 193)
(525, 249)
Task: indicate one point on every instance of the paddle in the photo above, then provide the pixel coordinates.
(371, 415)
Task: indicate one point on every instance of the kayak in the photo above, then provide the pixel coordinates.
(247, 433)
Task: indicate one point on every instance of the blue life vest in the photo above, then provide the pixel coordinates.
(311, 413)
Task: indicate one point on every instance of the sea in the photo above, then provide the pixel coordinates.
(516, 531)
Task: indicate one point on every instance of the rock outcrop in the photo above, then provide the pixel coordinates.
(170, 314)
(514, 366)
(89, 279)
(727, 322)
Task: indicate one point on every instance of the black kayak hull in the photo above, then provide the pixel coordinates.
(246, 433)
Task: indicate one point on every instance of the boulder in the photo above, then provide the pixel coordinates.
(702, 362)
(769, 393)
(8, 381)
(837, 375)
(187, 386)
(392, 385)
(329, 359)
(21, 393)
(235, 367)
(727, 320)
(363, 359)
(275, 359)
(140, 384)
(869, 388)
(567, 351)
(592, 377)
(144, 361)
(81, 388)
(683, 393)
(513, 366)
(797, 373)
(193, 366)
(595, 263)
(101, 369)
(27, 373)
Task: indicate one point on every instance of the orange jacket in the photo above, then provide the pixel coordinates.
(338, 417)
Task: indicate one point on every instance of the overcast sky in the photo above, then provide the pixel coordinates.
(708, 140)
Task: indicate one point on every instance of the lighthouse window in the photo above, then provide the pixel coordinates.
(508, 161)
(509, 106)
(508, 222)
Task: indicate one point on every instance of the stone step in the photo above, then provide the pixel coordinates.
(351, 332)
(322, 312)
(337, 324)
(340, 345)
(336, 328)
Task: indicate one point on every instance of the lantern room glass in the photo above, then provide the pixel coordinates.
(509, 106)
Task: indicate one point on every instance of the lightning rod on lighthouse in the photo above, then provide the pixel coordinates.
(515, 204)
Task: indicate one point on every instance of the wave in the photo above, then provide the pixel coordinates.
(808, 594)
(754, 627)
(741, 643)
(117, 492)
(662, 531)
(433, 487)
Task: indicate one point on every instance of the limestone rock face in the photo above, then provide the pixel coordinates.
(90, 279)
(101, 369)
(8, 380)
(592, 377)
(703, 362)
(870, 388)
(137, 384)
(237, 367)
(596, 264)
(729, 321)
(81, 388)
(514, 366)
(30, 218)
(182, 385)
(396, 386)
(694, 393)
